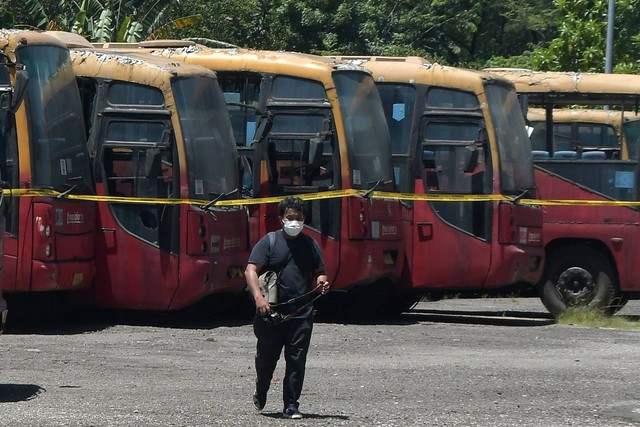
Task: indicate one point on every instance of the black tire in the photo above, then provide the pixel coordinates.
(398, 302)
(579, 276)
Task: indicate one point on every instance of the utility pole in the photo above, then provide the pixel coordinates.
(608, 65)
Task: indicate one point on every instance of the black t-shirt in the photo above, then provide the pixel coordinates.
(295, 260)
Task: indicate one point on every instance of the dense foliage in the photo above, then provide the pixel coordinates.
(538, 34)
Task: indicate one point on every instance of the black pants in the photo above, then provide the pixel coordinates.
(295, 336)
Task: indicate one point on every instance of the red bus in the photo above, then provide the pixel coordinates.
(160, 130)
(461, 132)
(8, 100)
(586, 130)
(313, 125)
(49, 241)
(590, 250)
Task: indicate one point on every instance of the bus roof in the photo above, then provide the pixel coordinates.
(414, 69)
(137, 67)
(586, 115)
(16, 37)
(547, 87)
(115, 64)
(72, 40)
(239, 59)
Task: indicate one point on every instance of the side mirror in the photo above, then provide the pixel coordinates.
(5, 86)
(19, 89)
(165, 139)
(483, 136)
(315, 150)
(152, 163)
(262, 129)
(428, 158)
(471, 158)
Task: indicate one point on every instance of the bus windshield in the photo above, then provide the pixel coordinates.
(56, 124)
(514, 146)
(398, 102)
(209, 141)
(365, 127)
(632, 136)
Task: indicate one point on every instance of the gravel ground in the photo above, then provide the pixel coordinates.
(476, 362)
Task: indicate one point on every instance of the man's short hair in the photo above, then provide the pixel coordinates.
(292, 203)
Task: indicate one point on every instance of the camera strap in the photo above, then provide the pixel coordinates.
(302, 307)
(272, 240)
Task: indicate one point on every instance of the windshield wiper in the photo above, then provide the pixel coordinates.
(376, 184)
(523, 193)
(215, 199)
(65, 193)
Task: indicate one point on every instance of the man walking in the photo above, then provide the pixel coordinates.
(297, 261)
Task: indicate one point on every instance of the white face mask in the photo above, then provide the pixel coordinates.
(292, 228)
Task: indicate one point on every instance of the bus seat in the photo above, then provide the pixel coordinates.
(565, 155)
(594, 155)
(540, 154)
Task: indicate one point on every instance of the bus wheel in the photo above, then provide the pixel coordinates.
(578, 276)
(398, 302)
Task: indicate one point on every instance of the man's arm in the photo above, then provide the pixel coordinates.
(322, 281)
(251, 276)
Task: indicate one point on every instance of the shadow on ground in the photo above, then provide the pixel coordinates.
(19, 392)
(482, 317)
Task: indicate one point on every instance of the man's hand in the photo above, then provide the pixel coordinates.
(262, 306)
(323, 284)
(251, 275)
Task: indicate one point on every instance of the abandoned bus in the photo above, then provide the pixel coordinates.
(160, 130)
(314, 125)
(9, 99)
(586, 132)
(590, 250)
(460, 131)
(49, 241)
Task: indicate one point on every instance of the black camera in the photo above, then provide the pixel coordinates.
(274, 318)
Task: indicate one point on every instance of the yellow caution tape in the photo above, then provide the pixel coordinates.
(441, 197)
(32, 192)
(566, 202)
(332, 194)
(444, 197)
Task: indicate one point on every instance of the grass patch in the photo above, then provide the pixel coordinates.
(595, 319)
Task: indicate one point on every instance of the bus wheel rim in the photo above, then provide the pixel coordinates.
(577, 286)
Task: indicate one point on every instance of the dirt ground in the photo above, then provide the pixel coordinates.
(476, 362)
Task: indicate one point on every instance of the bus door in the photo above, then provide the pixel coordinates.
(138, 244)
(452, 239)
(301, 157)
(284, 130)
(145, 233)
(242, 94)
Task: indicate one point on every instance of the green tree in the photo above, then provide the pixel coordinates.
(581, 42)
(460, 32)
(456, 32)
(241, 23)
(99, 21)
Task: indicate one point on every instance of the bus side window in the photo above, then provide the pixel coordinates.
(118, 171)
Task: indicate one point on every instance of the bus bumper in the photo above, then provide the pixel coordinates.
(63, 275)
(524, 264)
